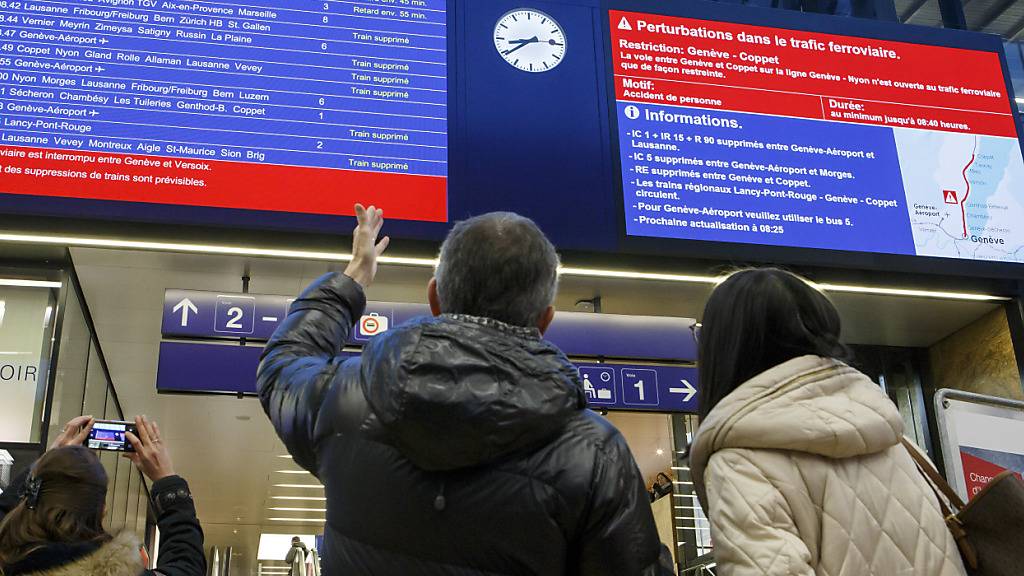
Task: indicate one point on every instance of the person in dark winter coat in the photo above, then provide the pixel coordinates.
(293, 554)
(459, 444)
(53, 524)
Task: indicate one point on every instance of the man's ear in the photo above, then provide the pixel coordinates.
(545, 319)
(435, 302)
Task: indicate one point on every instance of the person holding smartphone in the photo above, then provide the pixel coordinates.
(54, 522)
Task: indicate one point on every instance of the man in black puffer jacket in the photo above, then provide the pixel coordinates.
(458, 445)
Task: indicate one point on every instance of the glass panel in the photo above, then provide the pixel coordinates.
(132, 497)
(140, 520)
(26, 323)
(72, 363)
(95, 387)
(121, 488)
(693, 531)
(1015, 64)
(109, 459)
(649, 437)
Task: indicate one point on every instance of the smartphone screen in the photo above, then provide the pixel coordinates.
(111, 435)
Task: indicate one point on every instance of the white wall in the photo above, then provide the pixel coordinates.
(25, 314)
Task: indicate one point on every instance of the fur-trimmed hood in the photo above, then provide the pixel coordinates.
(119, 557)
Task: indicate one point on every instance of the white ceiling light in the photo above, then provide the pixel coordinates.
(430, 263)
(291, 472)
(633, 275)
(29, 283)
(1019, 100)
(879, 291)
(171, 247)
(298, 485)
(298, 509)
(313, 498)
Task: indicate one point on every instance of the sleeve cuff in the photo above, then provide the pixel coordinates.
(350, 291)
(334, 288)
(169, 492)
(169, 484)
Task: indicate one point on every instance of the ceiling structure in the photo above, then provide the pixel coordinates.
(1002, 17)
(229, 452)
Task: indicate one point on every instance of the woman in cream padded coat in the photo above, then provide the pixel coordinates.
(798, 460)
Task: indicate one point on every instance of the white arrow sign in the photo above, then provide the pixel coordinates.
(185, 306)
(689, 390)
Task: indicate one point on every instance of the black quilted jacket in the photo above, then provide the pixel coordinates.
(454, 446)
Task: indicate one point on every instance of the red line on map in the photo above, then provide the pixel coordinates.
(963, 203)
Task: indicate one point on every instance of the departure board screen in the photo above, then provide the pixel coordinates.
(749, 134)
(300, 106)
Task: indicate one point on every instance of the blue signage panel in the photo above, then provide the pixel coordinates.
(198, 314)
(209, 367)
(231, 369)
(205, 367)
(640, 387)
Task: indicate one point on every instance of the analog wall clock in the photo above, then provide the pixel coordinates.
(530, 40)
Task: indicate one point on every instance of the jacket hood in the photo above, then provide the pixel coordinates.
(456, 391)
(118, 557)
(810, 404)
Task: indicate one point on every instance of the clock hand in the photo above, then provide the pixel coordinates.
(524, 40)
(524, 44)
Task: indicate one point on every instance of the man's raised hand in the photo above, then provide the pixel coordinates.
(365, 245)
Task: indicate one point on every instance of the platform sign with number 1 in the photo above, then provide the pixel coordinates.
(639, 387)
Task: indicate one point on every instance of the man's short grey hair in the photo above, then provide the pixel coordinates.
(499, 265)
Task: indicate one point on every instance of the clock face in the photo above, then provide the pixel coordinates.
(530, 40)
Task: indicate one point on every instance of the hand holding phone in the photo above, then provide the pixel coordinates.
(150, 455)
(74, 433)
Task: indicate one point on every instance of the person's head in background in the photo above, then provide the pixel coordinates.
(757, 319)
(296, 540)
(67, 505)
(498, 266)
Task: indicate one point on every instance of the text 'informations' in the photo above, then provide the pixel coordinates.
(739, 133)
(294, 106)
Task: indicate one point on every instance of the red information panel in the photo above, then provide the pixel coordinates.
(745, 68)
(219, 184)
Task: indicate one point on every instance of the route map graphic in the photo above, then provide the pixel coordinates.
(748, 134)
(964, 194)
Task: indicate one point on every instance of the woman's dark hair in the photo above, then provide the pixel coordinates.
(68, 508)
(757, 319)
